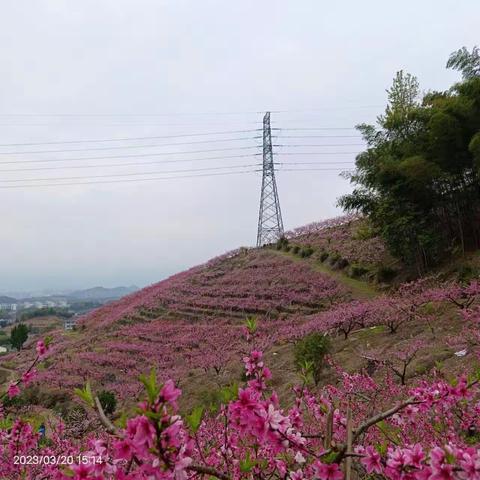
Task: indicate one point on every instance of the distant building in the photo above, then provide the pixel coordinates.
(8, 306)
(69, 323)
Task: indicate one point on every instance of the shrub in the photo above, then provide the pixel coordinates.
(365, 232)
(323, 256)
(281, 243)
(385, 274)
(334, 258)
(466, 272)
(341, 263)
(306, 252)
(295, 249)
(311, 350)
(357, 271)
(108, 401)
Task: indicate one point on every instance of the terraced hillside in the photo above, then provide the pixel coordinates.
(191, 326)
(190, 323)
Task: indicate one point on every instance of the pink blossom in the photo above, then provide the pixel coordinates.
(327, 471)
(13, 390)
(41, 348)
(372, 460)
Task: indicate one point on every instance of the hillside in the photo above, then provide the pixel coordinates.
(102, 293)
(190, 326)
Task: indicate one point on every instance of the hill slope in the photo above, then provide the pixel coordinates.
(190, 327)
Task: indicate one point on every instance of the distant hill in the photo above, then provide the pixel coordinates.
(5, 299)
(102, 293)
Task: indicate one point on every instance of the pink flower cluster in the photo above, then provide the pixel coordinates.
(421, 435)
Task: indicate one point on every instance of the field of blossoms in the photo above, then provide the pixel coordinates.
(189, 323)
(347, 238)
(397, 397)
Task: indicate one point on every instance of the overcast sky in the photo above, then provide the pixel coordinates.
(98, 69)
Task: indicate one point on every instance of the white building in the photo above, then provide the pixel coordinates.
(69, 323)
(8, 306)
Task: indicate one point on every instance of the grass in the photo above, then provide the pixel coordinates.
(359, 289)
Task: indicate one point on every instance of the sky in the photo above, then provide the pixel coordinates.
(109, 70)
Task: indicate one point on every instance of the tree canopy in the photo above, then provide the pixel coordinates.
(18, 336)
(418, 178)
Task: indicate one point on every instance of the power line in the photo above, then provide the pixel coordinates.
(126, 180)
(311, 169)
(121, 147)
(315, 163)
(74, 183)
(129, 174)
(187, 114)
(124, 139)
(315, 153)
(323, 145)
(319, 136)
(127, 156)
(314, 128)
(128, 164)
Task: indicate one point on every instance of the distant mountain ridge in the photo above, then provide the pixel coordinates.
(102, 293)
(5, 299)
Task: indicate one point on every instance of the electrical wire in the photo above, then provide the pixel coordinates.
(128, 164)
(319, 136)
(320, 145)
(126, 156)
(314, 153)
(189, 114)
(109, 181)
(121, 147)
(126, 180)
(124, 139)
(129, 174)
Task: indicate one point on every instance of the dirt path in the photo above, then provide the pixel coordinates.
(358, 288)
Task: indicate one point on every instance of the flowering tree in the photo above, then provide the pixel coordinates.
(417, 433)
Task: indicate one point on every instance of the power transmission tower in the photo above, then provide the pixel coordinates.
(270, 224)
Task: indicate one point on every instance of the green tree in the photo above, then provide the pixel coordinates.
(467, 63)
(310, 351)
(108, 401)
(18, 336)
(418, 179)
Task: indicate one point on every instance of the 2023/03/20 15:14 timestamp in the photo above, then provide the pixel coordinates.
(56, 459)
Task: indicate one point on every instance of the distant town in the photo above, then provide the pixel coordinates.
(52, 312)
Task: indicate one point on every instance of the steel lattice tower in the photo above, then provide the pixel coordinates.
(270, 224)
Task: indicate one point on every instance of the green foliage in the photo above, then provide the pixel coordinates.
(306, 252)
(295, 249)
(417, 181)
(323, 256)
(212, 399)
(194, 420)
(309, 354)
(365, 231)
(43, 312)
(150, 384)
(282, 244)
(18, 336)
(85, 394)
(468, 63)
(108, 401)
(385, 274)
(357, 271)
(251, 324)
